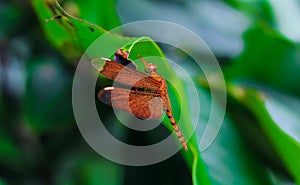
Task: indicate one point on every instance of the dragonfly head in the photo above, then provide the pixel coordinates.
(149, 68)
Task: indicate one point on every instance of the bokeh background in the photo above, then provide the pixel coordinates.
(256, 43)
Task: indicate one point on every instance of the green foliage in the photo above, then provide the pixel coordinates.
(10, 153)
(268, 56)
(80, 167)
(66, 33)
(145, 47)
(278, 122)
(2, 182)
(257, 10)
(11, 14)
(229, 160)
(259, 142)
(42, 113)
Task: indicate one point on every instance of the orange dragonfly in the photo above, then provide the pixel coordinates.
(144, 88)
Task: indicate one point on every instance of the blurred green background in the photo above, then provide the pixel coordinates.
(256, 43)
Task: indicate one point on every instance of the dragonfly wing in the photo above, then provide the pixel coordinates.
(142, 105)
(128, 76)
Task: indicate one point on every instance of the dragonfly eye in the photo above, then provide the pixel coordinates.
(150, 68)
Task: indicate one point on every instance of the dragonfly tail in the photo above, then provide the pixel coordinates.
(177, 130)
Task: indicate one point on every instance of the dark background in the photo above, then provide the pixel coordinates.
(256, 44)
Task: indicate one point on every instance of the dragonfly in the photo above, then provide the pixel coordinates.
(146, 96)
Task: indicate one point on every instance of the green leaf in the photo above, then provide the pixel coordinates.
(82, 38)
(228, 159)
(256, 10)
(279, 122)
(268, 58)
(286, 11)
(274, 13)
(146, 47)
(177, 93)
(102, 13)
(71, 35)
